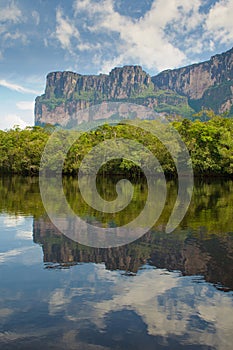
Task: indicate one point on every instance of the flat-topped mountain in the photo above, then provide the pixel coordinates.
(182, 91)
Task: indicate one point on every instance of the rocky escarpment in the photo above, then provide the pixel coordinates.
(208, 84)
(180, 91)
(67, 93)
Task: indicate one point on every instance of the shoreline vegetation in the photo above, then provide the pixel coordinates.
(210, 145)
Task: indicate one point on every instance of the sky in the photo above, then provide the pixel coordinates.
(94, 36)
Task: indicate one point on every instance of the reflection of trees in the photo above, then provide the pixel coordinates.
(20, 196)
(211, 207)
(200, 245)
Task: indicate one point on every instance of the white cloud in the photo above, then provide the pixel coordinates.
(16, 87)
(170, 34)
(87, 46)
(58, 301)
(25, 105)
(107, 65)
(65, 31)
(172, 316)
(36, 17)
(219, 23)
(10, 120)
(10, 13)
(10, 16)
(26, 255)
(147, 40)
(16, 36)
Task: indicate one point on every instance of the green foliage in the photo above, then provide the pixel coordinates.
(205, 230)
(211, 205)
(52, 103)
(183, 110)
(167, 101)
(147, 92)
(21, 150)
(210, 145)
(90, 95)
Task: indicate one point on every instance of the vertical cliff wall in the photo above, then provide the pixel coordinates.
(208, 84)
(177, 92)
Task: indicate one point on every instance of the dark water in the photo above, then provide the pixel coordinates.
(164, 291)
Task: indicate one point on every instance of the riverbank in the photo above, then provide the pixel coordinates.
(210, 145)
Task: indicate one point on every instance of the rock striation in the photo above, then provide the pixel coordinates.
(180, 91)
(208, 84)
(67, 93)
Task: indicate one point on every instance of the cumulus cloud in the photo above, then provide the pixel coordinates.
(169, 34)
(158, 40)
(173, 315)
(8, 121)
(219, 23)
(10, 13)
(144, 40)
(65, 30)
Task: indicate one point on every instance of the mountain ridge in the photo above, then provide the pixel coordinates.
(181, 91)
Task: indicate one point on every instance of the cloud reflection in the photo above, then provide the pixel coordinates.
(169, 305)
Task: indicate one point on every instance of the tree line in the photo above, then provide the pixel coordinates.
(210, 145)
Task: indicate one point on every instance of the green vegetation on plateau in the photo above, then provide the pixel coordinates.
(210, 145)
(167, 101)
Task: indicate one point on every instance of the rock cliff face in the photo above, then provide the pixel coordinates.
(180, 91)
(120, 83)
(67, 93)
(208, 84)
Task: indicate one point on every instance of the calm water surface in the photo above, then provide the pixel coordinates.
(164, 291)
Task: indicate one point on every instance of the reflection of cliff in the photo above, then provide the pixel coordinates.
(210, 257)
(59, 249)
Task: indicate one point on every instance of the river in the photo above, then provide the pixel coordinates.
(163, 291)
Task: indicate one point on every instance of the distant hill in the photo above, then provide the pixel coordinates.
(181, 91)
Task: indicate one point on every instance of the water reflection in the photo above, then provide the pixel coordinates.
(153, 293)
(201, 245)
(191, 253)
(89, 307)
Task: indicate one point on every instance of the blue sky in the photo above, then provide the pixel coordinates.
(90, 36)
